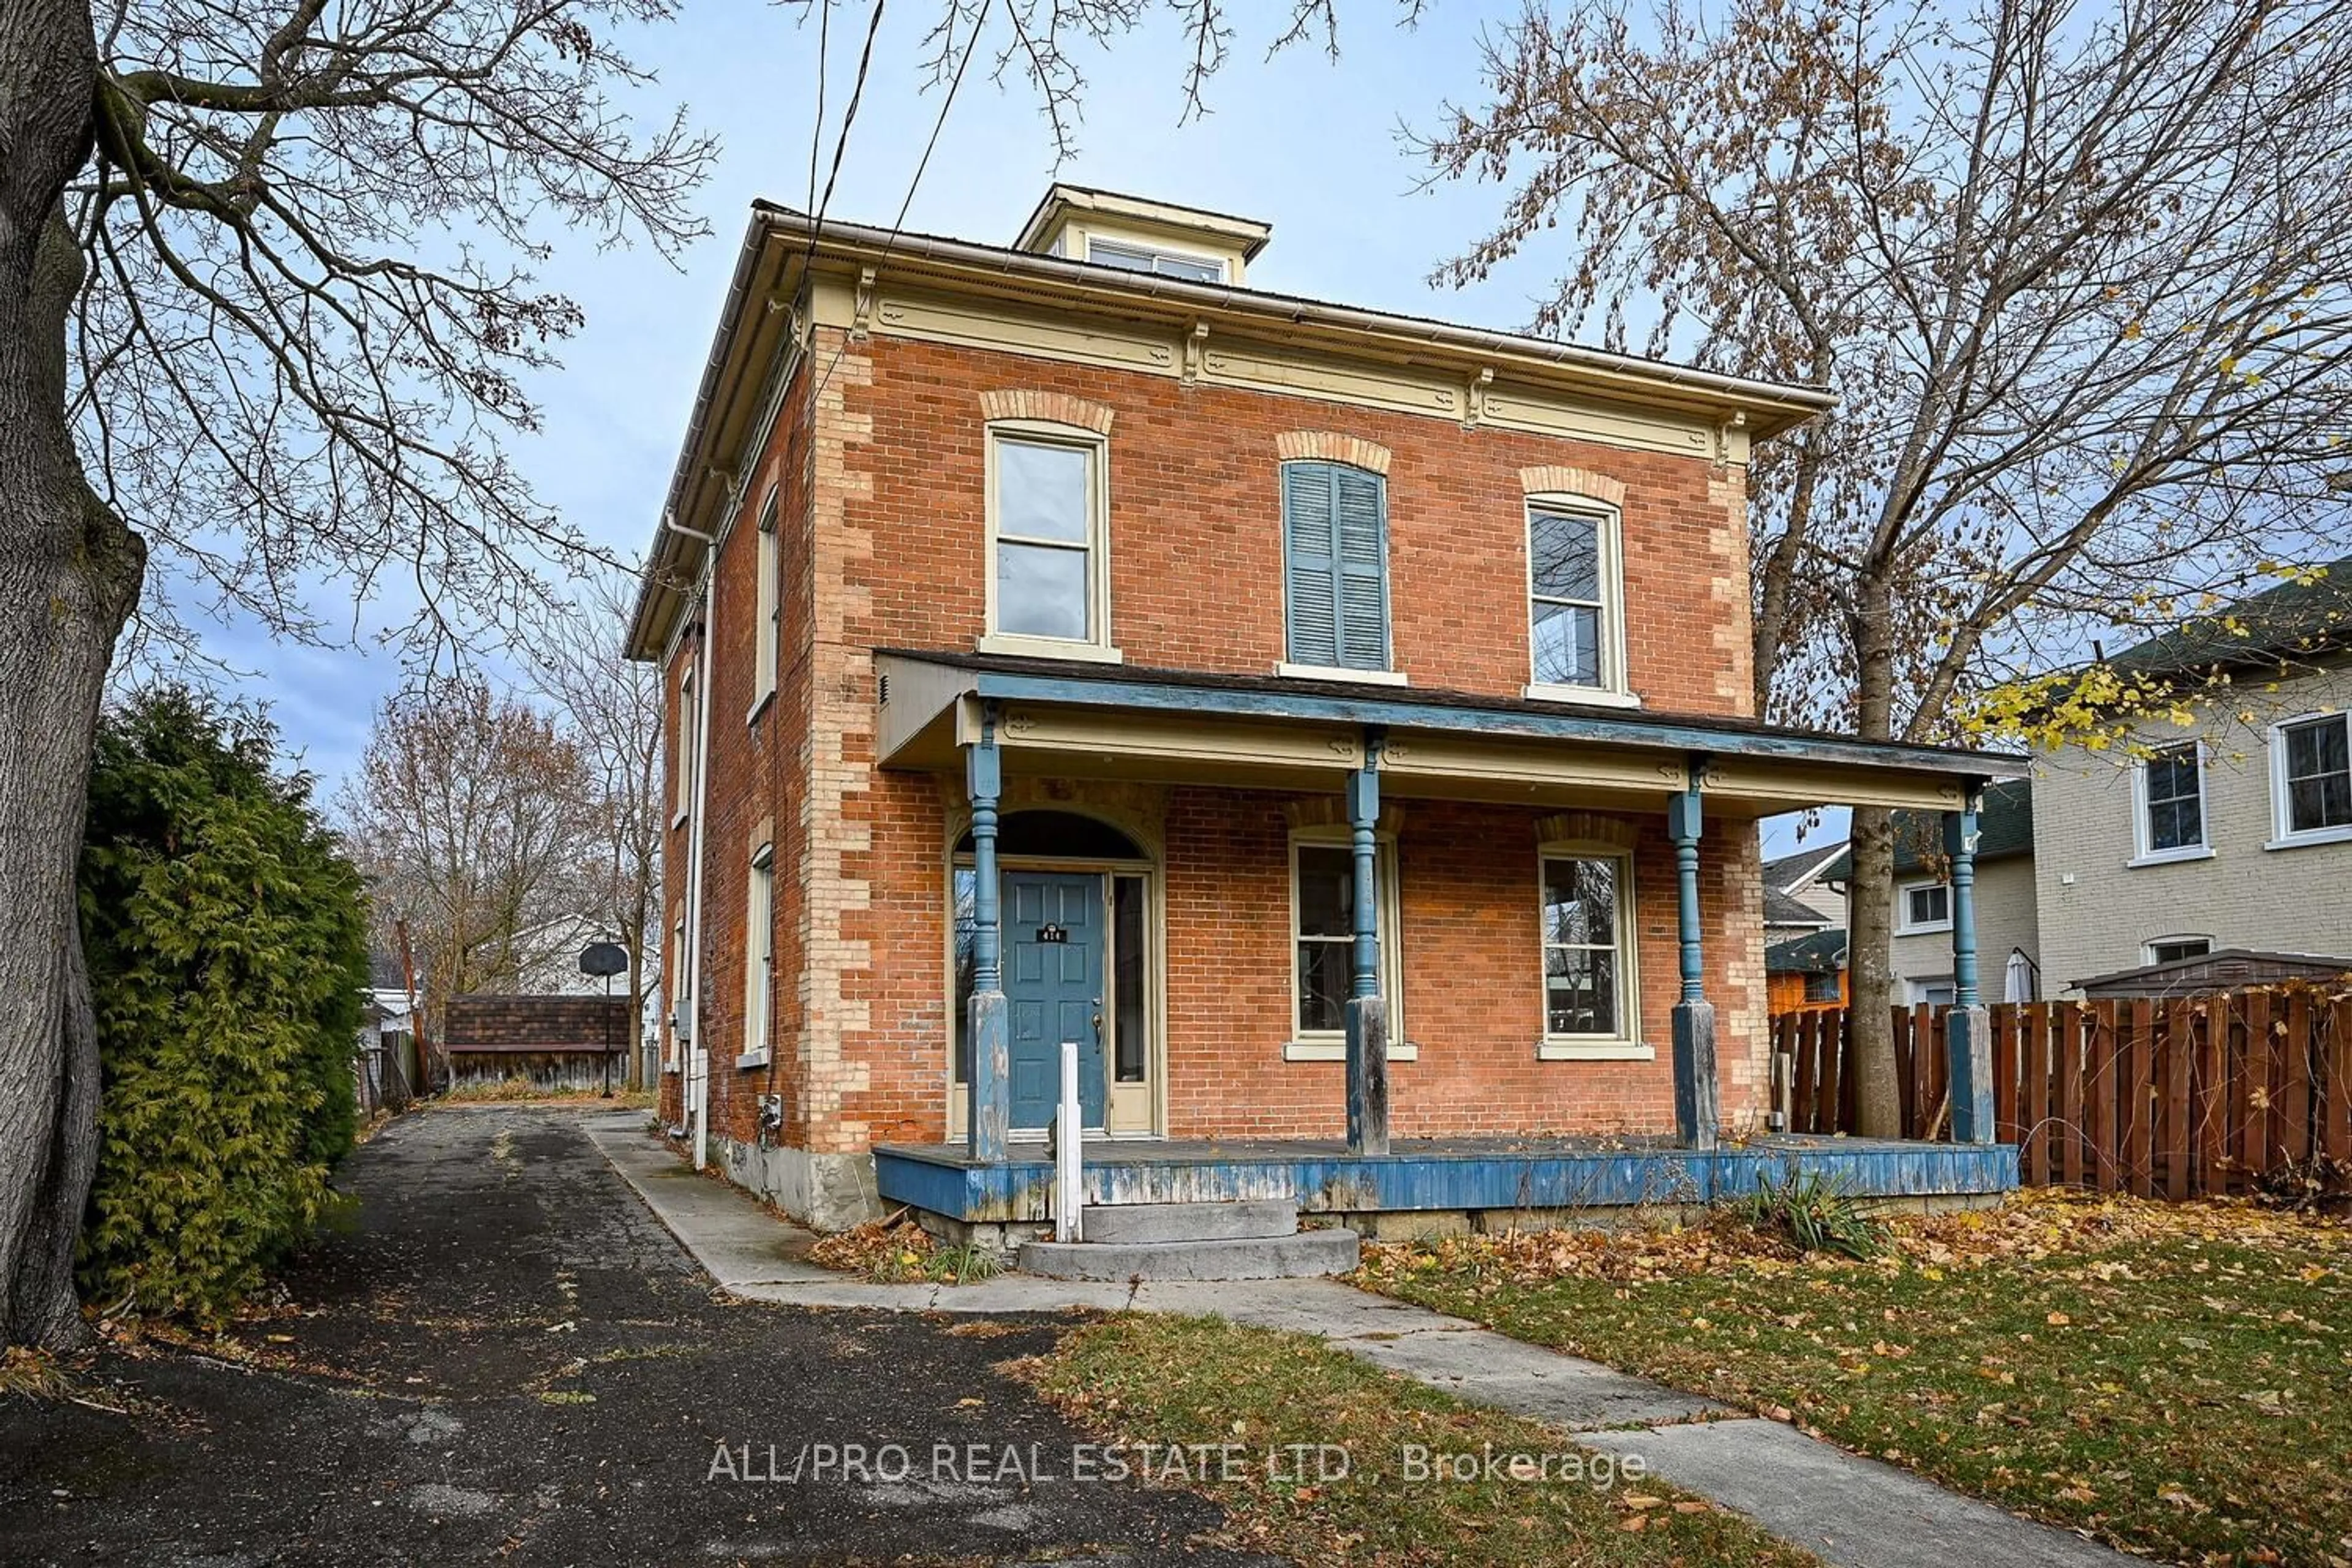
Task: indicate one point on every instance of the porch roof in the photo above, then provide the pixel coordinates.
(1086, 719)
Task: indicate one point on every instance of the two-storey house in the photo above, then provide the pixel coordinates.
(1337, 726)
(2229, 835)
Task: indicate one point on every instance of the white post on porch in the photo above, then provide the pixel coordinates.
(1070, 1154)
(1967, 1027)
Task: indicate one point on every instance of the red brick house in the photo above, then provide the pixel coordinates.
(1339, 724)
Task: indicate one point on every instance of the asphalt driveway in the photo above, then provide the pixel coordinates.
(506, 1358)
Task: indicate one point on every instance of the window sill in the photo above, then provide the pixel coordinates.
(751, 1059)
(1341, 672)
(1923, 931)
(1588, 696)
(679, 821)
(2168, 857)
(1048, 647)
(671, 1069)
(766, 699)
(1568, 1048)
(1334, 1048)
(2316, 835)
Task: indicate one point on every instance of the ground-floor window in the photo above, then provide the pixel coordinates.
(1323, 938)
(1588, 993)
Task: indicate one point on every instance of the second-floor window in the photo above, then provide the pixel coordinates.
(1570, 592)
(769, 630)
(1923, 907)
(1335, 554)
(2172, 803)
(1048, 538)
(2311, 779)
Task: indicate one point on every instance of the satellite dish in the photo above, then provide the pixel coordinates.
(601, 958)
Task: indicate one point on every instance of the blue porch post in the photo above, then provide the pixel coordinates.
(987, 1113)
(1368, 1019)
(1695, 1100)
(1967, 1032)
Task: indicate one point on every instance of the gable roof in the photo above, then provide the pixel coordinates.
(1822, 953)
(2288, 619)
(2224, 969)
(2004, 829)
(1803, 866)
(1782, 907)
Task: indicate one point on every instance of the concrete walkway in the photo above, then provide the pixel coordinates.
(1849, 1511)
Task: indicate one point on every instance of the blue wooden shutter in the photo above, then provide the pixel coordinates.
(1335, 551)
(1360, 506)
(1310, 564)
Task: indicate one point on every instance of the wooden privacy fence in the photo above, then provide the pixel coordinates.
(2182, 1097)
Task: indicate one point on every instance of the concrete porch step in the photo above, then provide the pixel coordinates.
(1302, 1255)
(1238, 1220)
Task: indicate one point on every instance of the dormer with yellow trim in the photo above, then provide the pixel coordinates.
(1107, 229)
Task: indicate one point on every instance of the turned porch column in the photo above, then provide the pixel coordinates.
(1967, 1031)
(1368, 1014)
(987, 1114)
(1695, 1098)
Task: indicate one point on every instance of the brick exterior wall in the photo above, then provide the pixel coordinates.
(883, 545)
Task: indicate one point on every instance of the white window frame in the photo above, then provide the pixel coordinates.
(759, 959)
(768, 631)
(682, 748)
(2147, 949)
(1915, 988)
(1625, 1044)
(1155, 249)
(2143, 841)
(2283, 833)
(1617, 690)
(1904, 925)
(1097, 645)
(1332, 1044)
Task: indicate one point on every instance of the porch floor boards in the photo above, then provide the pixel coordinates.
(1432, 1175)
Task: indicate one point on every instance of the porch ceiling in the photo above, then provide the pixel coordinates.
(1075, 719)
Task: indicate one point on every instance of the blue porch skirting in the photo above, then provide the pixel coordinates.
(1452, 1173)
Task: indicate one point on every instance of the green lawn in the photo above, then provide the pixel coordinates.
(2175, 1379)
(1145, 1379)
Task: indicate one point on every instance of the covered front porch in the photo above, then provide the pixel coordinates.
(1690, 787)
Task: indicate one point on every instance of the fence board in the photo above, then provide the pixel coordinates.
(2135, 1087)
(1907, 1088)
(2036, 1055)
(2254, 1098)
(2212, 1098)
(2180, 1049)
(2293, 1125)
(2340, 1080)
(1806, 1027)
(2004, 1075)
(1832, 1117)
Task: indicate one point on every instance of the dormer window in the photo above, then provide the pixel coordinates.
(1150, 259)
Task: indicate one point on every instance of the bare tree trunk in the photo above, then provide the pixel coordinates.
(1870, 897)
(69, 575)
(634, 939)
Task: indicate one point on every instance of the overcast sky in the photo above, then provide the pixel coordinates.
(1299, 141)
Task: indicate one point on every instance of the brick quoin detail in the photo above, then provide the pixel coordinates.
(1301, 445)
(1047, 407)
(1553, 480)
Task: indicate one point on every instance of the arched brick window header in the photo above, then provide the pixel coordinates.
(1588, 828)
(1048, 407)
(1329, 447)
(1554, 479)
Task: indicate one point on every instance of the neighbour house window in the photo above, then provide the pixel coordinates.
(1822, 988)
(2171, 948)
(2171, 790)
(2311, 779)
(769, 629)
(1935, 991)
(1589, 990)
(1925, 906)
(1049, 581)
(1323, 902)
(1335, 551)
(760, 954)
(1151, 259)
(1573, 598)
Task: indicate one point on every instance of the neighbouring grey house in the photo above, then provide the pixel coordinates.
(2235, 834)
(2009, 924)
(385, 1051)
(1798, 898)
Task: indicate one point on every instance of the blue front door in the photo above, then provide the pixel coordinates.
(1053, 989)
